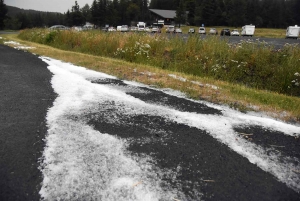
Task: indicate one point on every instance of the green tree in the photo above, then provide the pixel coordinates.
(12, 23)
(133, 12)
(180, 13)
(236, 12)
(190, 8)
(3, 12)
(95, 12)
(76, 15)
(86, 13)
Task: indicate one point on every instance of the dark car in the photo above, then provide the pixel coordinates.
(225, 32)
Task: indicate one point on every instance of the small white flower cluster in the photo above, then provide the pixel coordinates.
(296, 81)
(217, 66)
(139, 49)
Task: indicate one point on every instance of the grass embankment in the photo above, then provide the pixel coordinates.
(202, 63)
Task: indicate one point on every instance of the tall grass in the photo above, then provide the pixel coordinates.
(252, 63)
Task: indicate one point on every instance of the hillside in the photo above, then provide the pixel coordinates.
(13, 11)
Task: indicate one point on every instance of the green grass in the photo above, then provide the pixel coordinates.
(250, 63)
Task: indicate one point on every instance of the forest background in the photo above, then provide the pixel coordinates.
(234, 13)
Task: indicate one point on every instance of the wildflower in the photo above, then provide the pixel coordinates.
(297, 74)
(147, 46)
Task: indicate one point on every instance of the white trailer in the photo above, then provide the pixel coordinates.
(292, 32)
(141, 26)
(248, 30)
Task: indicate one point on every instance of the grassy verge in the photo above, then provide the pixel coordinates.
(237, 96)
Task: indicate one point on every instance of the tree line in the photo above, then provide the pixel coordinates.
(262, 13)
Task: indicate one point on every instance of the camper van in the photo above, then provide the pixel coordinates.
(141, 26)
(292, 32)
(248, 30)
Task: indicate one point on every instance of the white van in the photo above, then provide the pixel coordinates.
(292, 32)
(248, 30)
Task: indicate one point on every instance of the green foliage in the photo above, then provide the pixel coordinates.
(50, 37)
(252, 63)
(3, 11)
(12, 24)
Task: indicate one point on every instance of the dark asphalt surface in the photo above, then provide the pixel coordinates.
(202, 163)
(25, 96)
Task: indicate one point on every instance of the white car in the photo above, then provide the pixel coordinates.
(133, 28)
(155, 30)
(59, 27)
(191, 30)
(178, 30)
(235, 32)
(213, 31)
(202, 30)
(147, 29)
(124, 28)
(110, 29)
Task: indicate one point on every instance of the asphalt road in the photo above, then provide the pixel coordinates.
(25, 96)
(206, 168)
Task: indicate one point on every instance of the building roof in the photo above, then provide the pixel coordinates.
(171, 14)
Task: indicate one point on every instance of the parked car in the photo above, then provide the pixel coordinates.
(59, 27)
(77, 28)
(104, 29)
(202, 30)
(225, 32)
(191, 30)
(87, 27)
(147, 29)
(213, 31)
(110, 29)
(235, 32)
(133, 28)
(124, 28)
(155, 30)
(170, 29)
(178, 30)
(119, 28)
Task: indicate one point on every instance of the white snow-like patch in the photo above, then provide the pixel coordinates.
(84, 164)
(17, 45)
(23, 47)
(81, 163)
(11, 43)
(177, 77)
